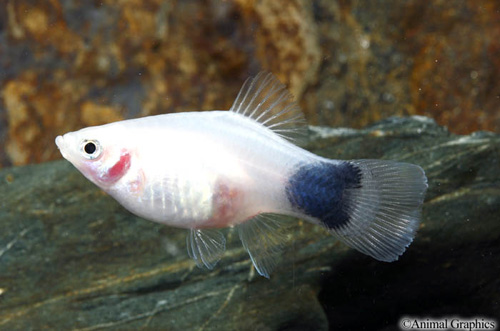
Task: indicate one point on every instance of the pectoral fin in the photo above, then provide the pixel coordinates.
(262, 237)
(205, 246)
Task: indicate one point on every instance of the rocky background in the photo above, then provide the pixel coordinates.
(68, 64)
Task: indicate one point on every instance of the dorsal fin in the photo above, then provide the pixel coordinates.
(266, 100)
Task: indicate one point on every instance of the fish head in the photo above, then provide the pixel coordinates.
(99, 154)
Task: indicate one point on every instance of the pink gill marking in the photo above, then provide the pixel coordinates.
(118, 169)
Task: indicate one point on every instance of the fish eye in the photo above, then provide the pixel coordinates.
(91, 149)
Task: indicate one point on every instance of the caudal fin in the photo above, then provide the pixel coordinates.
(373, 206)
(385, 209)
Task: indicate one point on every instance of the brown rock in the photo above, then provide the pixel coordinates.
(456, 67)
(36, 110)
(436, 58)
(286, 40)
(93, 114)
(41, 23)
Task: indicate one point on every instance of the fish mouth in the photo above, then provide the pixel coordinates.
(60, 145)
(59, 141)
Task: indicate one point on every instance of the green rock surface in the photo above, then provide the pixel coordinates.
(72, 258)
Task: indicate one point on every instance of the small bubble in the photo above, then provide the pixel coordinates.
(474, 74)
(365, 43)
(388, 97)
(329, 104)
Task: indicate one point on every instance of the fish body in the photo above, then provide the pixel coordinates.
(198, 169)
(209, 170)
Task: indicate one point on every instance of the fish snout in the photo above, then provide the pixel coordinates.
(61, 145)
(59, 141)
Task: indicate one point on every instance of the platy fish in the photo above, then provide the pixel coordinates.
(204, 171)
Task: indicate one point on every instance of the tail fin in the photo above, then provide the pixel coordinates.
(385, 210)
(373, 206)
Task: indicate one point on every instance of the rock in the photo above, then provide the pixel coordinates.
(404, 58)
(72, 258)
(138, 58)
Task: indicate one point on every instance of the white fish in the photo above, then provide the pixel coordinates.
(208, 170)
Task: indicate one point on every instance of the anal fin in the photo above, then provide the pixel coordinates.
(205, 246)
(263, 238)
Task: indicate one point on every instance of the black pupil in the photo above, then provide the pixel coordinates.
(90, 148)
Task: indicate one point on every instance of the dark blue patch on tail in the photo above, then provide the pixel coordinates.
(318, 190)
